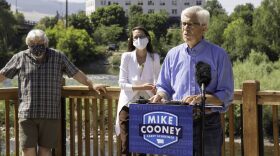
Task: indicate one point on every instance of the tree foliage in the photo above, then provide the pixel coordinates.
(46, 22)
(216, 29)
(136, 17)
(266, 26)
(261, 69)
(75, 43)
(109, 15)
(80, 21)
(7, 27)
(174, 37)
(245, 12)
(4, 5)
(155, 22)
(238, 39)
(214, 7)
(135, 10)
(106, 34)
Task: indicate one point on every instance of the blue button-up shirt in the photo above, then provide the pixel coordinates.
(177, 76)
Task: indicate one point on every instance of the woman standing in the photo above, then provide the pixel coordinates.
(139, 70)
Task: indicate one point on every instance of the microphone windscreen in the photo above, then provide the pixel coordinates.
(203, 73)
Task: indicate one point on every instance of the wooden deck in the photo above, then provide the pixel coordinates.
(89, 120)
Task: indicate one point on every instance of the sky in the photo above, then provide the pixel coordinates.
(229, 5)
(33, 9)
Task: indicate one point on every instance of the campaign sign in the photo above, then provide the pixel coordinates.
(160, 129)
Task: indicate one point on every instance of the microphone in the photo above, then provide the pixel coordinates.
(203, 78)
(203, 74)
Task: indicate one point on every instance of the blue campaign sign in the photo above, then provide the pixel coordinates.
(161, 129)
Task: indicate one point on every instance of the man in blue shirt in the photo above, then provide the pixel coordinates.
(177, 78)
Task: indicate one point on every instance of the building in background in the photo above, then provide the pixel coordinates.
(173, 7)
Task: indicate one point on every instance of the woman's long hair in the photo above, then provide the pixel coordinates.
(131, 47)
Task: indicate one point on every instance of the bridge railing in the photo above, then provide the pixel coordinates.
(88, 128)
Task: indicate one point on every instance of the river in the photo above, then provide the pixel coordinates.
(100, 74)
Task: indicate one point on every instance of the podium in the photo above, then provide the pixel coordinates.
(161, 129)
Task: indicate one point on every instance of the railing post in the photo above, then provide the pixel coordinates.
(250, 118)
(7, 127)
(63, 123)
(61, 146)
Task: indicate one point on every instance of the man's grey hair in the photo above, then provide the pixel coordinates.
(36, 37)
(203, 15)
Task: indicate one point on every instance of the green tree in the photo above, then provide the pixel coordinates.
(4, 5)
(106, 34)
(216, 29)
(155, 22)
(109, 15)
(80, 21)
(135, 10)
(214, 7)
(135, 16)
(7, 27)
(238, 39)
(261, 69)
(137, 20)
(19, 17)
(18, 40)
(75, 43)
(174, 37)
(47, 22)
(266, 26)
(245, 12)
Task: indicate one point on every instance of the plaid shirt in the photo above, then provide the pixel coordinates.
(39, 83)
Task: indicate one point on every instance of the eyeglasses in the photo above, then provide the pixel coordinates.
(190, 25)
(136, 37)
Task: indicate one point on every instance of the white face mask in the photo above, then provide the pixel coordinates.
(141, 43)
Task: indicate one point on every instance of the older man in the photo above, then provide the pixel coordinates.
(40, 71)
(177, 77)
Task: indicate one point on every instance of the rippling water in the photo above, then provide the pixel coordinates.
(99, 74)
(111, 80)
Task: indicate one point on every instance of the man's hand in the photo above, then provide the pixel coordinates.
(192, 99)
(100, 88)
(158, 98)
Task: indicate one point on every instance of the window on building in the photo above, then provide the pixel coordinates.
(127, 3)
(174, 11)
(187, 3)
(174, 2)
(162, 2)
(150, 11)
(198, 3)
(103, 2)
(150, 2)
(109, 3)
(140, 2)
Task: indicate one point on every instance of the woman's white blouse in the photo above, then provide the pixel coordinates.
(131, 73)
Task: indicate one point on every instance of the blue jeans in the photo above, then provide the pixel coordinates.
(213, 135)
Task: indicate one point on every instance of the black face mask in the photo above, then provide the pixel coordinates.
(37, 50)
